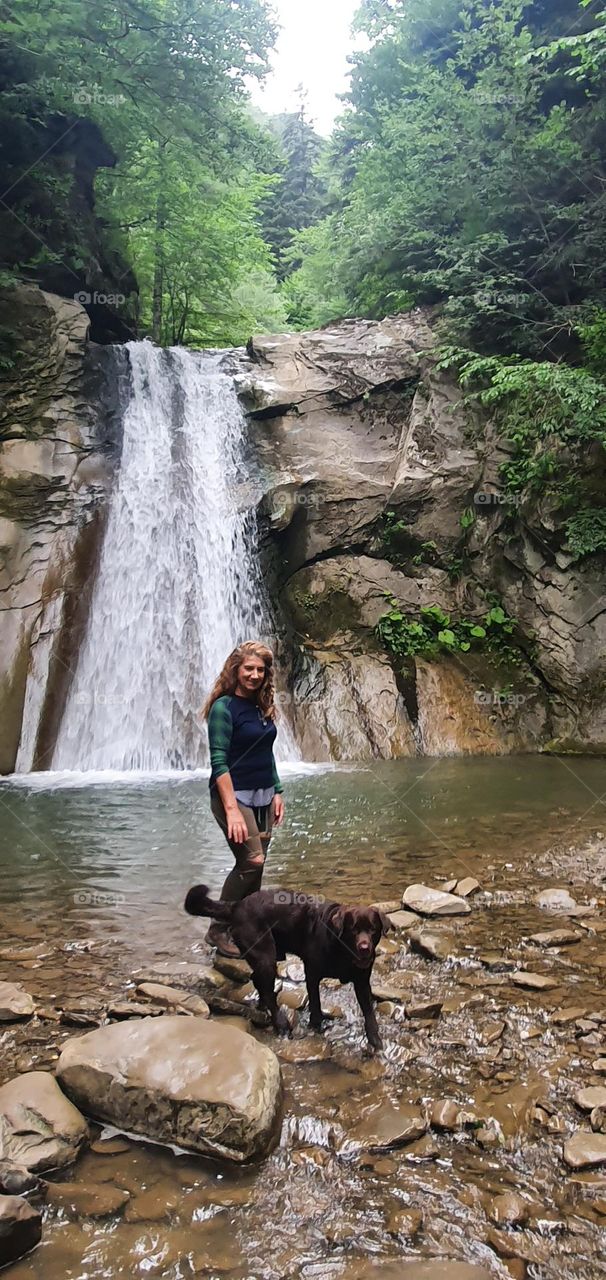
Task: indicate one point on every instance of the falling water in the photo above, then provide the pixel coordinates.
(178, 583)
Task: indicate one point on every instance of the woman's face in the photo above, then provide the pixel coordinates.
(251, 674)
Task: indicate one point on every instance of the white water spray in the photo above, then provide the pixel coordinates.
(178, 584)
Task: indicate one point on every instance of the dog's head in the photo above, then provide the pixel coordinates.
(359, 929)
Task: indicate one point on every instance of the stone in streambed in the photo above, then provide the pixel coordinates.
(431, 1269)
(402, 919)
(592, 1097)
(39, 1127)
(130, 1009)
(388, 1125)
(508, 1210)
(20, 1228)
(433, 946)
(198, 1084)
(585, 1150)
(464, 888)
(16, 1005)
(433, 902)
(172, 998)
(89, 1201)
(600, 1066)
(232, 967)
(444, 1115)
(556, 900)
(533, 981)
(556, 938)
(16, 1180)
(401, 1221)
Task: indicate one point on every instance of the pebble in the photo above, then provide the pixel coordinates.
(508, 1210)
(424, 1009)
(431, 945)
(130, 1009)
(293, 999)
(402, 919)
(556, 938)
(464, 888)
(232, 967)
(600, 1066)
(445, 1115)
(585, 1150)
(491, 1031)
(16, 1005)
(434, 902)
(597, 1119)
(534, 981)
(556, 900)
(592, 1097)
(172, 997)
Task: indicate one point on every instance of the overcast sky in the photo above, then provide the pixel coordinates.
(311, 50)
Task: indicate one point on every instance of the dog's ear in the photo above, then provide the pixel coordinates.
(336, 920)
(384, 921)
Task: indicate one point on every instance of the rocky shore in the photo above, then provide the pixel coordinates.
(473, 1146)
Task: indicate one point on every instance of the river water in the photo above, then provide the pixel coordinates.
(93, 871)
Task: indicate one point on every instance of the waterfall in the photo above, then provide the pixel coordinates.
(178, 583)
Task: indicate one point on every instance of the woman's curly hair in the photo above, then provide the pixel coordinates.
(226, 682)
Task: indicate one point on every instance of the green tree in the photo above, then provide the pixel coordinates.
(296, 201)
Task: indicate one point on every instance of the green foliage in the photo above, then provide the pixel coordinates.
(297, 197)
(435, 632)
(152, 93)
(468, 172)
(586, 532)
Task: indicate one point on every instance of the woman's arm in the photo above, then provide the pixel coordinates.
(220, 729)
(278, 803)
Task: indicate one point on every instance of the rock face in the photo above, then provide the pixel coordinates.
(39, 1127)
(355, 421)
(204, 1087)
(55, 470)
(20, 1228)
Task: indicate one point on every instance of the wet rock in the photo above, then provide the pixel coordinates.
(92, 1201)
(381, 991)
(496, 962)
(233, 968)
(154, 1203)
(430, 1269)
(597, 1119)
(387, 1008)
(433, 902)
(130, 1009)
(508, 1210)
(17, 954)
(388, 908)
(172, 998)
(449, 886)
(445, 1115)
(490, 1032)
(20, 1228)
(433, 946)
(592, 1097)
(401, 1221)
(585, 1150)
(16, 1180)
(517, 1244)
(424, 1149)
(533, 981)
(16, 1005)
(110, 1146)
(556, 900)
(556, 938)
(600, 1066)
(39, 1127)
(188, 1081)
(295, 971)
(403, 919)
(387, 1126)
(464, 888)
(293, 999)
(564, 1016)
(424, 1009)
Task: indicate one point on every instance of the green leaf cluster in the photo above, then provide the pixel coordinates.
(434, 632)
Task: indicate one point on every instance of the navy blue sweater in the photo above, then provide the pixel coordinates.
(241, 744)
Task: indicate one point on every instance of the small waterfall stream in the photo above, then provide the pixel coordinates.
(178, 584)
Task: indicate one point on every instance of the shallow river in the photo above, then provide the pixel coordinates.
(92, 880)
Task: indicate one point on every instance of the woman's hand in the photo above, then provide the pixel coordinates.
(278, 809)
(236, 826)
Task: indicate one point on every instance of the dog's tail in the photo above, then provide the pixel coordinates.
(198, 903)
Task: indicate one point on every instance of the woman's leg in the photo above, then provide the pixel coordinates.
(245, 878)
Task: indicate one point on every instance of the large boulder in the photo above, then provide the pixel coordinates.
(39, 1127)
(20, 1228)
(200, 1085)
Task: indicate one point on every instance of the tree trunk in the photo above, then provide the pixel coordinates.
(158, 289)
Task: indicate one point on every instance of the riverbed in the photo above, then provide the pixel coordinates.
(93, 872)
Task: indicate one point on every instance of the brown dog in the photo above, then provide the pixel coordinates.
(332, 940)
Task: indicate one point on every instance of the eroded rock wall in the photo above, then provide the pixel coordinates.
(55, 471)
(352, 422)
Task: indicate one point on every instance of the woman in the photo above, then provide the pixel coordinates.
(245, 790)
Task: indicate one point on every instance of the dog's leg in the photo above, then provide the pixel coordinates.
(365, 1001)
(312, 979)
(262, 960)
